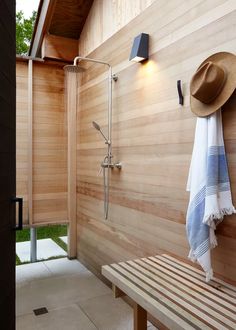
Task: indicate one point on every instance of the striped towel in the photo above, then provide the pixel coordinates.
(209, 186)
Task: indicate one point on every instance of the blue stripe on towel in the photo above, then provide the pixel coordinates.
(216, 150)
(220, 187)
(203, 248)
(217, 181)
(197, 232)
(217, 171)
(197, 200)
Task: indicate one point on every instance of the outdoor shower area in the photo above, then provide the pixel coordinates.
(110, 157)
(105, 136)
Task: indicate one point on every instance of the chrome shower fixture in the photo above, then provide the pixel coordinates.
(107, 163)
(98, 128)
(73, 68)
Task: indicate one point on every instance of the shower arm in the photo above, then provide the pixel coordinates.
(81, 58)
(110, 76)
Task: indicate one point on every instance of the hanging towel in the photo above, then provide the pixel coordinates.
(209, 186)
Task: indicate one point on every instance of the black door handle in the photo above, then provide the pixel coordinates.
(20, 212)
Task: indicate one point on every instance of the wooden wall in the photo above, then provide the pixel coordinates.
(152, 135)
(22, 134)
(105, 18)
(49, 176)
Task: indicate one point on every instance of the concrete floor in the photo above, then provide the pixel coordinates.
(74, 297)
(46, 248)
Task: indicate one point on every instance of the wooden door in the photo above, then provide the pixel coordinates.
(7, 164)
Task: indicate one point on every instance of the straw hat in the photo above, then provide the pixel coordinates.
(213, 83)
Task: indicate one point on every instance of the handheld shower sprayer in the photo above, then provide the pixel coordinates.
(98, 128)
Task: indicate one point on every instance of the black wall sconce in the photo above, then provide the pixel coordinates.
(139, 50)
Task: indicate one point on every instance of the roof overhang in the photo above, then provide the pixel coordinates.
(60, 18)
(44, 15)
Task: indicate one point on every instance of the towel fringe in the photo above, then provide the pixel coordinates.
(209, 219)
(191, 256)
(209, 275)
(213, 239)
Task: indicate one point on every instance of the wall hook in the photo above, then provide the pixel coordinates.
(114, 77)
(179, 88)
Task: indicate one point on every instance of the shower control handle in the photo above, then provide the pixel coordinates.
(118, 166)
(112, 165)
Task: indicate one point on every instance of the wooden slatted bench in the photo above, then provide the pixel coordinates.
(175, 293)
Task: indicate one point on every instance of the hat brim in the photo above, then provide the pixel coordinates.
(228, 62)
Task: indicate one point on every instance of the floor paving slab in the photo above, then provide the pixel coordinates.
(46, 248)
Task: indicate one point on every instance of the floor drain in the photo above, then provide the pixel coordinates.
(40, 311)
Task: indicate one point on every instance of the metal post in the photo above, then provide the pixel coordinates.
(109, 109)
(109, 146)
(33, 244)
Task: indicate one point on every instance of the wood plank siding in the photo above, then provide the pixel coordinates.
(49, 143)
(152, 134)
(105, 18)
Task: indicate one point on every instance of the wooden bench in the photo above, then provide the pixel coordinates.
(173, 292)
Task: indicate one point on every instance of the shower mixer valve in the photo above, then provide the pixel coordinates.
(106, 165)
(111, 165)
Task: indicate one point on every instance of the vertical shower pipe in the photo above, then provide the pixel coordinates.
(109, 144)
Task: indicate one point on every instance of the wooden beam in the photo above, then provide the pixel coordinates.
(71, 104)
(30, 141)
(140, 318)
(59, 48)
(46, 10)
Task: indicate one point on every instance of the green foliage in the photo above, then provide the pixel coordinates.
(42, 232)
(24, 31)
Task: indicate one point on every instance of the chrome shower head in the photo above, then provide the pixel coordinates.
(73, 68)
(98, 128)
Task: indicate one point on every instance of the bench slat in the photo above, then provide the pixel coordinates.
(189, 287)
(232, 289)
(191, 301)
(176, 293)
(163, 314)
(203, 287)
(201, 282)
(190, 308)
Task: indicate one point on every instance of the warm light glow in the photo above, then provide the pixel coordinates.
(137, 59)
(147, 73)
(149, 67)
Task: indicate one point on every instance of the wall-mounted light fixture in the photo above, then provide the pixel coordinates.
(139, 50)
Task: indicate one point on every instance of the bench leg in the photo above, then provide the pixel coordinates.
(117, 292)
(140, 318)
